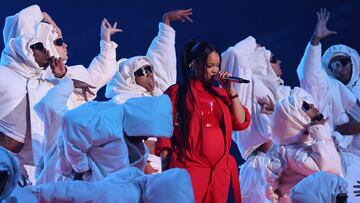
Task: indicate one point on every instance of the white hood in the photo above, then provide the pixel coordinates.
(289, 120)
(18, 35)
(18, 56)
(353, 84)
(47, 35)
(247, 60)
(123, 85)
(341, 49)
(22, 23)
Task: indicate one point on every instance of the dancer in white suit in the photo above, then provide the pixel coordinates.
(149, 75)
(250, 61)
(302, 145)
(332, 80)
(31, 84)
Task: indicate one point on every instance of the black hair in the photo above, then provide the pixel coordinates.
(194, 54)
(4, 178)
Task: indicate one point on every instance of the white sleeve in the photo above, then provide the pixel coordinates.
(320, 156)
(104, 66)
(163, 56)
(27, 20)
(51, 109)
(324, 151)
(312, 76)
(273, 166)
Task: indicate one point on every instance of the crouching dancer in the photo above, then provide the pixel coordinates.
(302, 146)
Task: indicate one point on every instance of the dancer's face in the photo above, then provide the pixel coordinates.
(41, 55)
(276, 65)
(312, 111)
(341, 68)
(61, 48)
(144, 77)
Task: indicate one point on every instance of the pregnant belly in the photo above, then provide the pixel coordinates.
(213, 145)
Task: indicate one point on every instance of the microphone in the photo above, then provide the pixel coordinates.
(236, 79)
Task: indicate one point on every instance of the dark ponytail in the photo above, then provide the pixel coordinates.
(181, 104)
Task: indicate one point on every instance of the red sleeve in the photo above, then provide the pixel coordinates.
(236, 123)
(161, 144)
(166, 143)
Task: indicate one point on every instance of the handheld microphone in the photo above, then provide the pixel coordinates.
(236, 79)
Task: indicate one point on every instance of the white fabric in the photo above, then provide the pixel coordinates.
(300, 154)
(93, 132)
(155, 162)
(319, 187)
(126, 185)
(248, 61)
(140, 112)
(252, 185)
(22, 23)
(16, 124)
(160, 55)
(47, 35)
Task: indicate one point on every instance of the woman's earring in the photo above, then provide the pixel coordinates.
(193, 72)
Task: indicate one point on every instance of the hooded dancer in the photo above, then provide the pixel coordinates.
(302, 145)
(22, 62)
(332, 80)
(52, 108)
(92, 147)
(149, 75)
(100, 127)
(33, 82)
(94, 133)
(249, 60)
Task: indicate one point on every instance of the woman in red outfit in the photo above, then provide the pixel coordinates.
(204, 117)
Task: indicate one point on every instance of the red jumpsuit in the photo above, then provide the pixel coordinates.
(207, 157)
